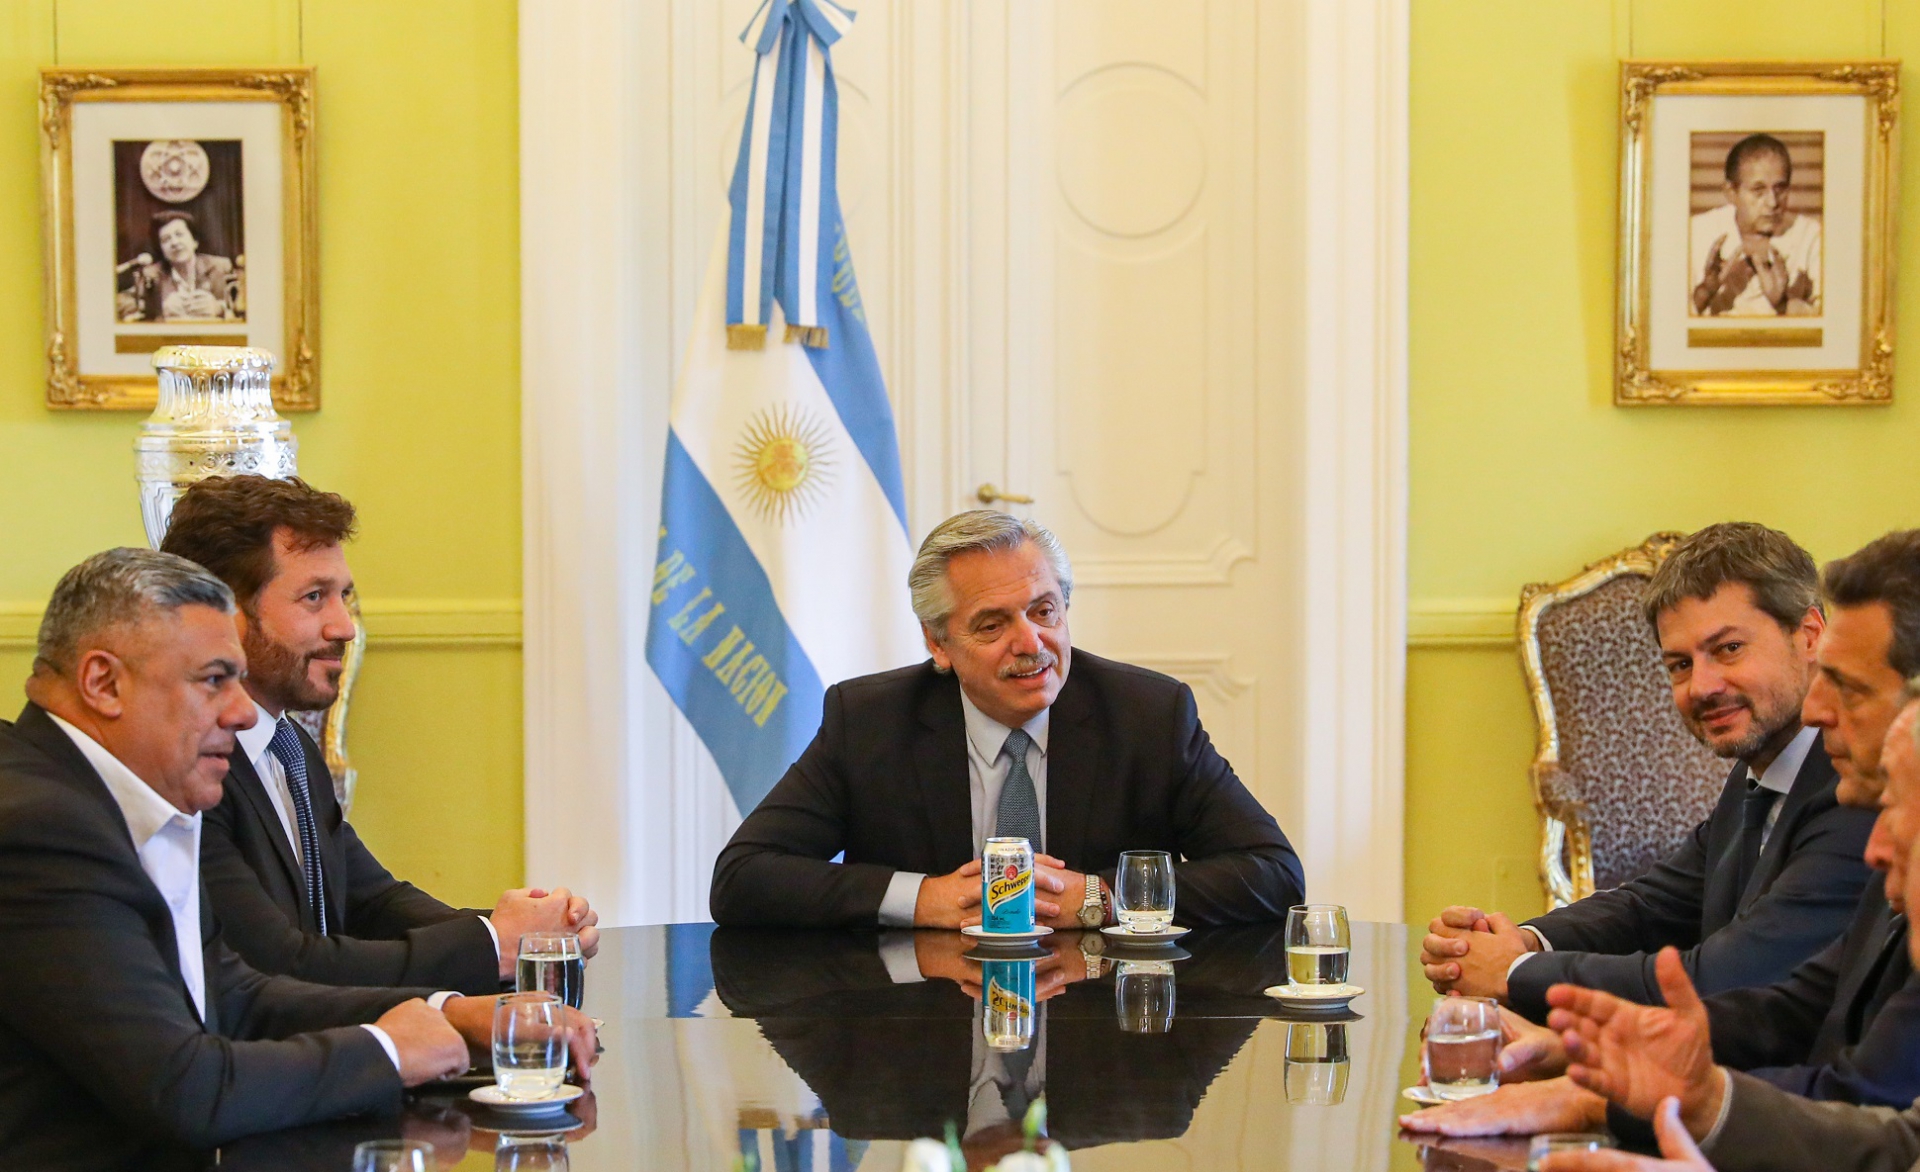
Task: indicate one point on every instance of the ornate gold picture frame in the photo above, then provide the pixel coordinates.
(178, 208)
(1756, 232)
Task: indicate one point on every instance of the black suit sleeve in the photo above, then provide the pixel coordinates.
(84, 984)
(394, 933)
(1239, 867)
(1776, 1024)
(1800, 914)
(777, 870)
(1883, 1070)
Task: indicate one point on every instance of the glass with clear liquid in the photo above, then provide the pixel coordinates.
(529, 1045)
(1317, 1064)
(1143, 891)
(1463, 1047)
(1319, 944)
(551, 962)
(1143, 996)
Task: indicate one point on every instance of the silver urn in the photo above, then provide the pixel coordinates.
(215, 418)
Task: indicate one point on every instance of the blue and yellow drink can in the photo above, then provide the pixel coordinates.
(1006, 1003)
(1006, 886)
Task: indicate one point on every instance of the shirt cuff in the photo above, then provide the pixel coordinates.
(439, 1000)
(1546, 945)
(1726, 1108)
(493, 932)
(896, 952)
(903, 895)
(386, 1043)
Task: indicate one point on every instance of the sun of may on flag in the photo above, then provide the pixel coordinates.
(783, 536)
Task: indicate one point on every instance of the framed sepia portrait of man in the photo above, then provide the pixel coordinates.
(1756, 232)
(178, 209)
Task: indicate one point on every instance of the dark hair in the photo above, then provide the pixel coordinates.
(1756, 144)
(1886, 570)
(1766, 561)
(161, 220)
(227, 523)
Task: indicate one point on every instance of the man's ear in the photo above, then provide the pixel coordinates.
(1812, 625)
(939, 653)
(100, 678)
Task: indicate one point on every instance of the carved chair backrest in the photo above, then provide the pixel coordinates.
(1617, 778)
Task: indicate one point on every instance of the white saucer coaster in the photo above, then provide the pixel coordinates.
(1122, 935)
(1314, 996)
(1423, 1095)
(491, 1096)
(979, 933)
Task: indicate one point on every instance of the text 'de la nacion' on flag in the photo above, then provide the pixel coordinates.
(783, 540)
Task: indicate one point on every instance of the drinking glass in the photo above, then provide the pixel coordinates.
(1542, 1146)
(1143, 891)
(1143, 996)
(1317, 1064)
(1319, 944)
(1463, 1047)
(393, 1155)
(530, 1153)
(529, 1045)
(551, 962)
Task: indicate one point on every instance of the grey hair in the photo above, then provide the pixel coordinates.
(119, 587)
(975, 531)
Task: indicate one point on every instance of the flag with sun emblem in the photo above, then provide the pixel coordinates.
(783, 537)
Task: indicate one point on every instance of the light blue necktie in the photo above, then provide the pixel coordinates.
(1019, 815)
(287, 749)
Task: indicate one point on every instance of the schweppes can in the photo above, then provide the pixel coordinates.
(1006, 886)
(1006, 1003)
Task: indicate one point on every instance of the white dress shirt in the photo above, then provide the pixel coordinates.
(257, 743)
(1778, 777)
(987, 769)
(168, 843)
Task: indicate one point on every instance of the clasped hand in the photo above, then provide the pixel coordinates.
(1469, 952)
(953, 900)
(438, 1043)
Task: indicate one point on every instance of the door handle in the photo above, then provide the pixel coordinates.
(987, 494)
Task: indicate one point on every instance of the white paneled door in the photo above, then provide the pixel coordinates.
(1081, 232)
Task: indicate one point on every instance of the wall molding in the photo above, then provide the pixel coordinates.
(1461, 622)
(439, 623)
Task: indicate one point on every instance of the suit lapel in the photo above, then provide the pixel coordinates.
(1721, 897)
(1815, 778)
(1073, 768)
(250, 792)
(326, 821)
(940, 767)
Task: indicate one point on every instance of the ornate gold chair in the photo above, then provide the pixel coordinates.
(1617, 778)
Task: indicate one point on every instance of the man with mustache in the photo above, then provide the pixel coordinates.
(1773, 875)
(1008, 730)
(296, 890)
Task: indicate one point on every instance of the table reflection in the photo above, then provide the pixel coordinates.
(828, 1051)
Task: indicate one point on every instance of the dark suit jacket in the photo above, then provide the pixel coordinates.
(1802, 893)
(885, 781)
(382, 931)
(103, 1060)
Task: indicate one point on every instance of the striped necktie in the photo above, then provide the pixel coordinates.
(1019, 815)
(286, 748)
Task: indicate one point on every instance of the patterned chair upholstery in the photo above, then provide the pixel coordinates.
(1617, 778)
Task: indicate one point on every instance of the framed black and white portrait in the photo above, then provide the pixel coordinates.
(1756, 232)
(178, 211)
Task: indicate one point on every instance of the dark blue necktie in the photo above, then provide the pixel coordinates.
(1019, 814)
(286, 749)
(1758, 804)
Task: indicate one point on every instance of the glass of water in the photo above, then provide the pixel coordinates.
(551, 962)
(1319, 944)
(530, 1153)
(1542, 1146)
(1143, 891)
(529, 1045)
(1463, 1047)
(393, 1155)
(1143, 996)
(1317, 1064)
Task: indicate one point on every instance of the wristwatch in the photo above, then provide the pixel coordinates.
(1093, 912)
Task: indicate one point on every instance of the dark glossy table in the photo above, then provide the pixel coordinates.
(820, 1052)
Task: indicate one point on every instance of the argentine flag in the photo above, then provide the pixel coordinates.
(783, 536)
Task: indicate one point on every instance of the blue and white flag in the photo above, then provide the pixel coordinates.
(783, 537)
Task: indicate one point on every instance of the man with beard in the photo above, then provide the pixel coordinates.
(914, 769)
(1773, 875)
(295, 889)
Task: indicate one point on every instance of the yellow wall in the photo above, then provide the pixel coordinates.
(1522, 470)
(419, 267)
